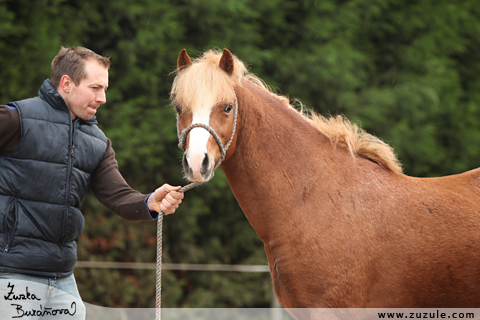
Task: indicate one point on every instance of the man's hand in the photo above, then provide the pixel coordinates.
(165, 199)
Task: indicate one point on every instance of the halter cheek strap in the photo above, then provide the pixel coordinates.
(182, 137)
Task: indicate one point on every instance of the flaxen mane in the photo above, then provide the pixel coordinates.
(205, 77)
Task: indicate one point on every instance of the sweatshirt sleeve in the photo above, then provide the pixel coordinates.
(9, 130)
(113, 191)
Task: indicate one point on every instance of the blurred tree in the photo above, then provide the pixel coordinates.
(406, 70)
(30, 37)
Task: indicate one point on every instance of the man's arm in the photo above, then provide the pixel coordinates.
(9, 130)
(113, 191)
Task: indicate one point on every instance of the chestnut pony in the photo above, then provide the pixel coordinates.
(341, 225)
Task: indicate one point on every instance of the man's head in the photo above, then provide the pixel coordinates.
(71, 62)
(80, 76)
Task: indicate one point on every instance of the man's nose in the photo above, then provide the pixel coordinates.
(102, 97)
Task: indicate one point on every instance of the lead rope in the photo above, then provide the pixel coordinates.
(158, 315)
(182, 137)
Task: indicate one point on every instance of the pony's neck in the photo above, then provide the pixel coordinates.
(266, 172)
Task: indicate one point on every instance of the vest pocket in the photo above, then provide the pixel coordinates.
(10, 224)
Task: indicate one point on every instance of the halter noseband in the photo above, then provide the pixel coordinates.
(182, 137)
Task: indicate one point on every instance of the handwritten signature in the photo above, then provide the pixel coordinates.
(40, 311)
(12, 296)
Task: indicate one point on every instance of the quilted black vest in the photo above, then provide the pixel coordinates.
(43, 184)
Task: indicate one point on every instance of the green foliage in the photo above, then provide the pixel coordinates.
(406, 70)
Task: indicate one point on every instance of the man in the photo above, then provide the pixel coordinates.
(51, 151)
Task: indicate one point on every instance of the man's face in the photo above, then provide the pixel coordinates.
(84, 99)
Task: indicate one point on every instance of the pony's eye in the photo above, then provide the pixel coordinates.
(228, 108)
(179, 109)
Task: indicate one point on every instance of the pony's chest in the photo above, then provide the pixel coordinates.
(294, 285)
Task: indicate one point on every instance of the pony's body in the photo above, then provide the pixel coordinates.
(341, 230)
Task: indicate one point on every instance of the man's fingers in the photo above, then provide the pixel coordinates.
(171, 200)
(170, 188)
(168, 207)
(165, 199)
(174, 196)
(164, 190)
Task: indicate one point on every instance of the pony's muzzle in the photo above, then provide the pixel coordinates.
(197, 168)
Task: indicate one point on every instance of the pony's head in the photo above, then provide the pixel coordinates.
(204, 97)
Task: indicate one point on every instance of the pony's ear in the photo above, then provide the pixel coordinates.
(226, 62)
(184, 60)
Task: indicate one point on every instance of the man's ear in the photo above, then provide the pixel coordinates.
(66, 84)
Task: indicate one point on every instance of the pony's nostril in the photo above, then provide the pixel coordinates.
(185, 161)
(186, 167)
(205, 164)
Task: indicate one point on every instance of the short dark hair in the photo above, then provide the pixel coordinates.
(71, 61)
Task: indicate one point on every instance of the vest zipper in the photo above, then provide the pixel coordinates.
(69, 178)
